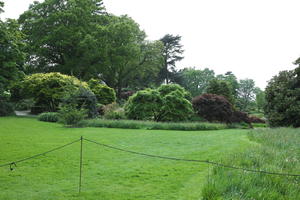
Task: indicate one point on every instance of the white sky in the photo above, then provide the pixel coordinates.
(252, 38)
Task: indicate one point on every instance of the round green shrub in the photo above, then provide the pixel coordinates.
(48, 117)
(175, 108)
(144, 105)
(48, 89)
(167, 103)
(105, 95)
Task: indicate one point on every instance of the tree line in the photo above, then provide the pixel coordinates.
(81, 39)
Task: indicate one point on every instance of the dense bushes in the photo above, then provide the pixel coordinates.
(49, 117)
(70, 115)
(113, 111)
(48, 89)
(238, 117)
(105, 95)
(213, 107)
(167, 103)
(217, 108)
(254, 119)
(282, 99)
(82, 98)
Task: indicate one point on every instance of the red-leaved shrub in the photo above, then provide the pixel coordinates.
(213, 107)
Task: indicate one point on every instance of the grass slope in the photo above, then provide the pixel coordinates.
(277, 150)
(108, 174)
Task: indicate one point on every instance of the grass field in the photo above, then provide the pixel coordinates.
(108, 174)
(278, 150)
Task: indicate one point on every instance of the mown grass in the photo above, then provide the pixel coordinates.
(108, 174)
(277, 150)
(133, 124)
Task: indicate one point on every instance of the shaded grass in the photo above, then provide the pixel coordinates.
(277, 150)
(107, 174)
(133, 124)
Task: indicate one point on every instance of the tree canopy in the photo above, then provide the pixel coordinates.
(282, 99)
(194, 80)
(11, 60)
(58, 32)
(246, 94)
(77, 37)
(220, 87)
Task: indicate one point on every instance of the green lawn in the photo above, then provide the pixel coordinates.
(108, 174)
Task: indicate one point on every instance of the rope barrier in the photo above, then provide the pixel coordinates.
(14, 163)
(192, 160)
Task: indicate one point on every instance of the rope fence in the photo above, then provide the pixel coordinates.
(192, 160)
(13, 164)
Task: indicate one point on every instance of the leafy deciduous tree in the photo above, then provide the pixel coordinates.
(283, 99)
(128, 57)
(232, 81)
(11, 60)
(58, 34)
(195, 81)
(246, 94)
(220, 87)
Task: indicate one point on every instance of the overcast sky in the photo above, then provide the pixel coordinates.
(252, 38)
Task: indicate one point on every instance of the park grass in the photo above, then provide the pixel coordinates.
(277, 150)
(151, 125)
(108, 174)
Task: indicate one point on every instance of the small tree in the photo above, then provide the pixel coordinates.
(220, 87)
(175, 107)
(144, 105)
(246, 94)
(213, 107)
(167, 103)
